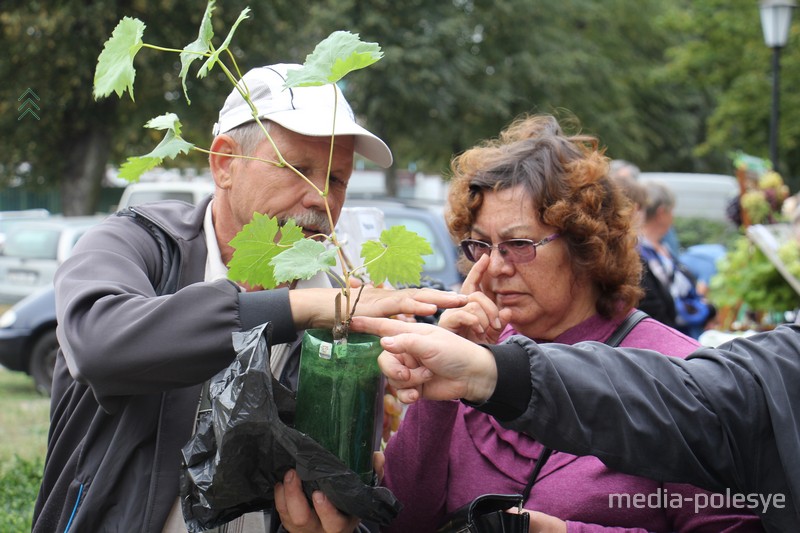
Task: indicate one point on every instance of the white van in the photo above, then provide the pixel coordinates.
(698, 195)
(152, 191)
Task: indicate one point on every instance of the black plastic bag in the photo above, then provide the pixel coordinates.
(242, 447)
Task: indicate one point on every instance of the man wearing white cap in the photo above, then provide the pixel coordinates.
(146, 313)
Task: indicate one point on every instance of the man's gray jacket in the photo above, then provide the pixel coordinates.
(726, 419)
(139, 332)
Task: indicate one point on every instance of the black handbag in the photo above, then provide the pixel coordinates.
(487, 513)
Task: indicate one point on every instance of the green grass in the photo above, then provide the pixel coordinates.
(19, 484)
(23, 426)
(24, 417)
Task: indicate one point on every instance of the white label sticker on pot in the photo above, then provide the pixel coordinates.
(325, 350)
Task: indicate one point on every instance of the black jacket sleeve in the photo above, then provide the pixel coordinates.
(726, 418)
(513, 389)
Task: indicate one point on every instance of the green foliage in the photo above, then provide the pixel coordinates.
(333, 58)
(45, 48)
(745, 275)
(256, 246)
(196, 49)
(213, 58)
(457, 72)
(756, 206)
(397, 257)
(265, 254)
(668, 85)
(19, 486)
(692, 230)
(259, 260)
(303, 261)
(170, 147)
(789, 254)
(53, 47)
(723, 51)
(339, 54)
(115, 70)
(24, 419)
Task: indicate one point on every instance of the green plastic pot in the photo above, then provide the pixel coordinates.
(340, 397)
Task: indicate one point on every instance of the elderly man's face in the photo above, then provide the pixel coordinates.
(261, 187)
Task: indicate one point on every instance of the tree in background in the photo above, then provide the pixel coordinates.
(672, 86)
(48, 49)
(724, 54)
(457, 72)
(52, 48)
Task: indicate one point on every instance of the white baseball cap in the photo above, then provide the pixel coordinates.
(303, 110)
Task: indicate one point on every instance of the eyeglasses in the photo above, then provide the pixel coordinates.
(512, 250)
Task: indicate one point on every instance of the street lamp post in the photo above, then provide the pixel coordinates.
(776, 18)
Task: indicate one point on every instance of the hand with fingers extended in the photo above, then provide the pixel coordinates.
(356, 283)
(422, 360)
(310, 307)
(479, 320)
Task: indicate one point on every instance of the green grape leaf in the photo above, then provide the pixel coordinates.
(167, 121)
(306, 258)
(333, 58)
(211, 61)
(194, 51)
(255, 246)
(133, 167)
(114, 71)
(397, 257)
(170, 146)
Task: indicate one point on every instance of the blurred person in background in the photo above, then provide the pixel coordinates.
(657, 300)
(620, 168)
(691, 311)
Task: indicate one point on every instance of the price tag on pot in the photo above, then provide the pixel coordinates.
(325, 350)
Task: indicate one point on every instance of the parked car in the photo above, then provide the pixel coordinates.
(10, 218)
(152, 191)
(28, 340)
(34, 250)
(428, 222)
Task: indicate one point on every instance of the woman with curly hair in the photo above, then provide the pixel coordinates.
(552, 250)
